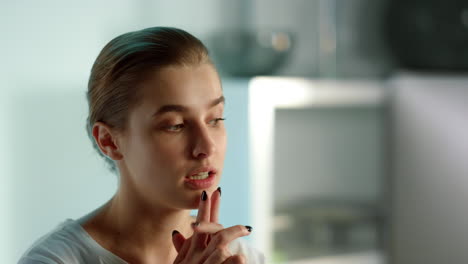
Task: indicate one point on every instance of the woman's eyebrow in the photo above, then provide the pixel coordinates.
(180, 108)
(218, 101)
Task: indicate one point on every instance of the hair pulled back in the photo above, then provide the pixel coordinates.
(123, 64)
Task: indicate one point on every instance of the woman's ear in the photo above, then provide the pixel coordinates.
(106, 140)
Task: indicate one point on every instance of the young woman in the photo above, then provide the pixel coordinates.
(156, 115)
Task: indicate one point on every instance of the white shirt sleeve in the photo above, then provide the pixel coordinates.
(252, 255)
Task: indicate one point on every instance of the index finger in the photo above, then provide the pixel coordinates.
(204, 208)
(203, 215)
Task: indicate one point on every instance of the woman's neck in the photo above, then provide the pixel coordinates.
(137, 232)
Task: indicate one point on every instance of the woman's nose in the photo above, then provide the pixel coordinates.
(204, 145)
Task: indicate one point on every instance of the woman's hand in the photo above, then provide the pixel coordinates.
(209, 243)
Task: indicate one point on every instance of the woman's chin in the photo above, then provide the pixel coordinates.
(194, 203)
(189, 203)
(193, 198)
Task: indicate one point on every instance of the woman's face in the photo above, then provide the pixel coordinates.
(175, 132)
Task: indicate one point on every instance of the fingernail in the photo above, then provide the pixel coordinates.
(175, 232)
(204, 196)
(219, 190)
(249, 228)
(195, 224)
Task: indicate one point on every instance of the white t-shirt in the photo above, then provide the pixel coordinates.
(69, 243)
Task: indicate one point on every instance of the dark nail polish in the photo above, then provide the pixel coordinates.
(175, 232)
(249, 228)
(219, 190)
(195, 224)
(204, 196)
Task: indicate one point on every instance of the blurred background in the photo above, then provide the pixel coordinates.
(347, 121)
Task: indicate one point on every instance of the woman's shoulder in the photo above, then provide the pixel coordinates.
(67, 243)
(252, 255)
(50, 247)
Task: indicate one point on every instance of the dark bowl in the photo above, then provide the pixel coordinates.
(248, 53)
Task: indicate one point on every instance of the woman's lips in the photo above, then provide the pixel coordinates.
(200, 184)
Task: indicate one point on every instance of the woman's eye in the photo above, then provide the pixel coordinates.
(215, 121)
(179, 127)
(175, 128)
